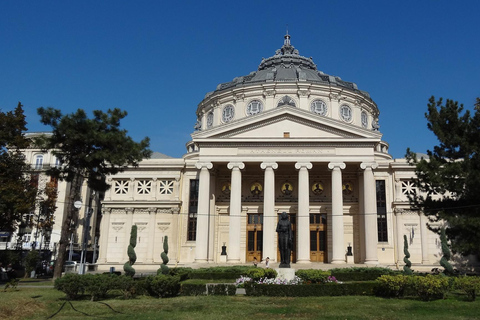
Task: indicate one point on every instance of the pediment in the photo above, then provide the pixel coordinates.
(289, 123)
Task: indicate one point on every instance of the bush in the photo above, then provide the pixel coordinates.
(164, 286)
(391, 286)
(182, 272)
(221, 289)
(431, 287)
(71, 284)
(129, 287)
(98, 285)
(313, 275)
(469, 285)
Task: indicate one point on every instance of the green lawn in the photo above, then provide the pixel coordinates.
(40, 303)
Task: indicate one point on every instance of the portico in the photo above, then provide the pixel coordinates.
(263, 192)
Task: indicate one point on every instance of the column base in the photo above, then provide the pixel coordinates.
(370, 262)
(233, 260)
(200, 261)
(303, 262)
(338, 262)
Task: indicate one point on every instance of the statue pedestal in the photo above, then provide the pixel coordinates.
(350, 260)
(285, 273)
(223, 259)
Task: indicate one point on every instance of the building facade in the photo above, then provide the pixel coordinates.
(285, 138)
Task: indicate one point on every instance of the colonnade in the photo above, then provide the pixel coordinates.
(269, 214)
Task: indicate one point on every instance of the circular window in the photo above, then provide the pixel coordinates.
(210, 120)
(319, 107)
(364, 119)
(254, 107)
(346, 113)
(228, 113)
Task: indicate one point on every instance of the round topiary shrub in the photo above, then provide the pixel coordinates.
(270, 273)
(256, 273)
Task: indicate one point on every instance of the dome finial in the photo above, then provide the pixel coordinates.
(287, 38)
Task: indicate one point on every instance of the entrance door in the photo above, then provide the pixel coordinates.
(254, 236)
(318, 237)
(293, 254)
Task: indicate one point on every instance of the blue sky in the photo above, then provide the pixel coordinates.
(158, 59)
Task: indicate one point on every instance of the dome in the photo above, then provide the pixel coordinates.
(287, 65)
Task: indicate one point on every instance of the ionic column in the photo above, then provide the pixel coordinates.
(424, 238)
(338, 247)
(371, 229)
(269, 215)
(104, 231)
(128, 230)
(151, 234)
(399, 229)
(303, 215)
(203, 212)
(233, 249)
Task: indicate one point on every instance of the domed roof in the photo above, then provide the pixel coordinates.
(287, 65)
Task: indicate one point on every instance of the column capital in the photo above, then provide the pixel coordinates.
(200, 165)
(265, 165)
(239, 165)
(340, 165)
(300, 165)
(372, 165)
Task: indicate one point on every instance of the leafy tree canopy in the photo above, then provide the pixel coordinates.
(91, 148)
(449, 179)
(87, 149)
(17, 194)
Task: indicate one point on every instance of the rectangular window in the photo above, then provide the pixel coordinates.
(381, 211)
(192, 211)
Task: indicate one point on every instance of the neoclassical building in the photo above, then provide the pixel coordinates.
(284, 138)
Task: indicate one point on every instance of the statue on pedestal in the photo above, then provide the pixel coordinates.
(285, 240)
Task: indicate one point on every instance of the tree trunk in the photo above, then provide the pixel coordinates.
(70, 215)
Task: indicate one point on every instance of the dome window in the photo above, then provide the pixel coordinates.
(286, 101)
(254, 107)
(319, 107)
(346, 113)
(228, 113)
(364, 118)
(210, 119)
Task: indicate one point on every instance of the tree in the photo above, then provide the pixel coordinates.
(87, 149)
(17, 194)
(449, 178)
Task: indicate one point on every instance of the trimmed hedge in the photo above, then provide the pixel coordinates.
(392, 286)
(365, 288)
(221, 289)
(360, 273)
(218, 289)
(469, 285)
(193, 289)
